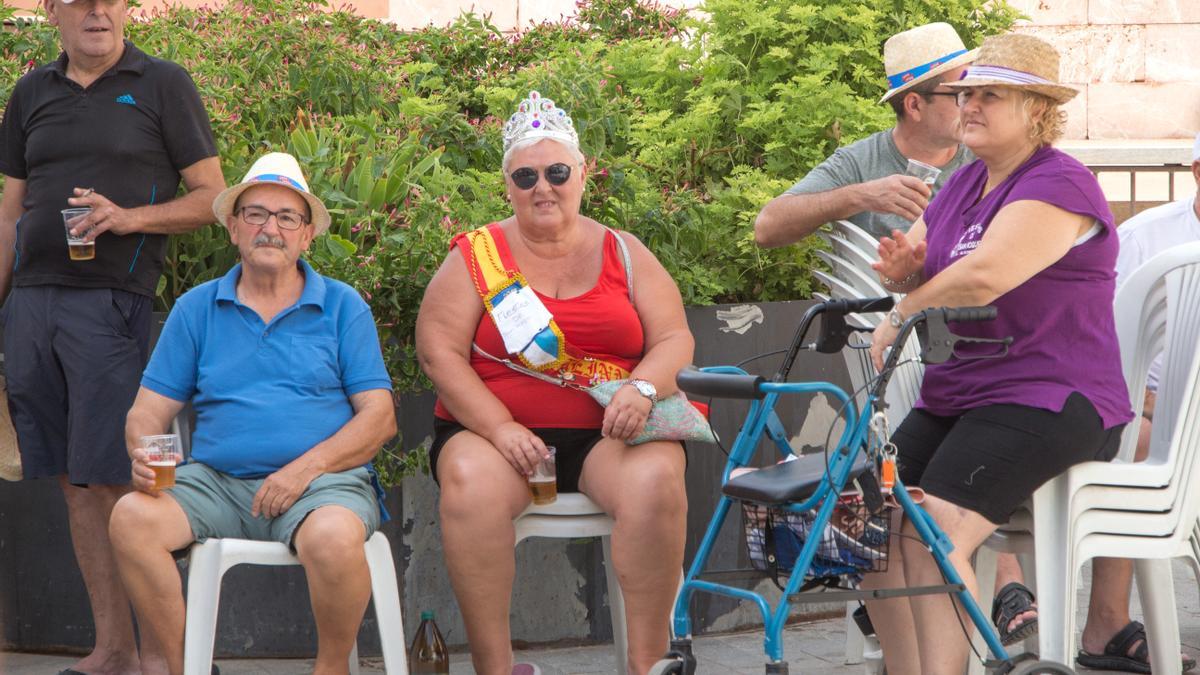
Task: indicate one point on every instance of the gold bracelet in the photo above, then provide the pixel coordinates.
(903, 282)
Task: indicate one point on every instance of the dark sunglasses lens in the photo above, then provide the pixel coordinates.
(524, 178)
(558, 174)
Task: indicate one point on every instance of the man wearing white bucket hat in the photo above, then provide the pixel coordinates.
(112, 132)
(292, 400)
(864, 182)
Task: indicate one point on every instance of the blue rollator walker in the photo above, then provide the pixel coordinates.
(809, 493)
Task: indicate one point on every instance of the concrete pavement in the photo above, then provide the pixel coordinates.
(814, 648)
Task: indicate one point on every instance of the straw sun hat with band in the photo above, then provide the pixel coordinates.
(922, 53)
(1018, 61)
(276, 168)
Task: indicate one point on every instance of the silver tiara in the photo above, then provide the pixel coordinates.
(538, 117)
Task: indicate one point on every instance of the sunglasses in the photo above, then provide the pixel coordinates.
(526, 177)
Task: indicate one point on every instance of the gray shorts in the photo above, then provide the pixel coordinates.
(74, 360)
(218, 505)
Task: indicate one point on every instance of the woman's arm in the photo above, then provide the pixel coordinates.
(1023, 239)
(446, 324)
(669, 345)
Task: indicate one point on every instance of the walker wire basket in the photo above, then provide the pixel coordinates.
(854, 542)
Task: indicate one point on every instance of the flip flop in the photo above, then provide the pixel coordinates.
(1116, 655)
(1012, 601)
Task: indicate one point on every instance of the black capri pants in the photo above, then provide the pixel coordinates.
(991, 459)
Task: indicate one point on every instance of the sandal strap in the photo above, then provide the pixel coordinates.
(1123, 641)
(1010, 602)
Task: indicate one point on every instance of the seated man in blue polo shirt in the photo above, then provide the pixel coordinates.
(292, 402)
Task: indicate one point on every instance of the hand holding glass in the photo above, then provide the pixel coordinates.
(76, 246)
(928, 174)
(543, 483)
(163, 452)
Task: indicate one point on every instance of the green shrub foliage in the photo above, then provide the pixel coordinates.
(690, 123)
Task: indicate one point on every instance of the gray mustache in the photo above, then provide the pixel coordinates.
(264, 239)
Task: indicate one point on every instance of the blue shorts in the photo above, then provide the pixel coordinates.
(74, 360)
(218, 504)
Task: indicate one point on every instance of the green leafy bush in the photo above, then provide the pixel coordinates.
(690, 124)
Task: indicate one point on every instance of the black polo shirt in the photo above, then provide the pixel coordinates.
(127, 135)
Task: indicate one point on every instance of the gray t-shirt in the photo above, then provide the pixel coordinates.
(875, 156)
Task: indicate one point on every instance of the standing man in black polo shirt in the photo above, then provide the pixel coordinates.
(110, 128)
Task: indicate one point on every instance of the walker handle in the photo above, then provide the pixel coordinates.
(719, 385)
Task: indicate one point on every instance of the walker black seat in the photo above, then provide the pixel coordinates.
(787, 482)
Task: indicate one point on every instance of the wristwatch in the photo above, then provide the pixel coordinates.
(895, 318)
(645, 388)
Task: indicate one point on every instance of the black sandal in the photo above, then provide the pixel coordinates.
(1012, 601)
(1120, 655)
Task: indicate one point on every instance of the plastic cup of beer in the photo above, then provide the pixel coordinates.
(543, 484)
(163, 452)
(76, 246)
(928, 174)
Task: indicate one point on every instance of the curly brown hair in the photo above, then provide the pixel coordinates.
(1043, 116)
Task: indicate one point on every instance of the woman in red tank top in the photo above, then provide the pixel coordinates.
(617, 311)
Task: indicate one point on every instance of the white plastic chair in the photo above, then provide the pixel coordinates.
(574, 516)
(208, 561)
(1079, 513)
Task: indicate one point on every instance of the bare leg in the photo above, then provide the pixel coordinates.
(893, 618)
(642, 488)
(940, 638)
(144, 530)
(88, 511)
(329, 544)
(481, 495)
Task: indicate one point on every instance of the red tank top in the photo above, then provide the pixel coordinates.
(600, 322)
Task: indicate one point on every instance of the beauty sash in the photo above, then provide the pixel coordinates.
(526, 326)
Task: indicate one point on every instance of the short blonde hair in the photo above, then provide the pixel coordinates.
(1044, 128)
(576, 154)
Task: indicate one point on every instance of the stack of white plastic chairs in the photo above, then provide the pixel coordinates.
(851, 252)
(1143, 510)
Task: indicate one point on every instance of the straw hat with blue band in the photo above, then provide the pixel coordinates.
(922, 53)
(276, 168)
(1019, 61)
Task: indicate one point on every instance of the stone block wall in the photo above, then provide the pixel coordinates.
(1135, 60)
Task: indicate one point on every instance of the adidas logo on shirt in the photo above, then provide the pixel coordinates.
(127, 99)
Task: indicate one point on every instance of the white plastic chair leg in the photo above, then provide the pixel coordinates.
(1156, 589)
(1055, 573)
(616, 605)
(203, 598)
(386, 595)
(854, 637)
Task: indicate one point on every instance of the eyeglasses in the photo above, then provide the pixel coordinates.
(258, 216)
(526, 177)
(951, 94)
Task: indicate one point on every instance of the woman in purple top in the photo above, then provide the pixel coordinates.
(1027, 229)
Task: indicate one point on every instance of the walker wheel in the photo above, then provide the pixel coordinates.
(667, 667)
(1042, 668)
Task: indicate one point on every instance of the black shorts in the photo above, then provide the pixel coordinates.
(74, 360)
(571, 447)
(991, 459)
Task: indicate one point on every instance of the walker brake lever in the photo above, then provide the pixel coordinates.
(937, 342)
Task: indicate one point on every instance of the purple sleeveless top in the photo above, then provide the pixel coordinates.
(1061, 320)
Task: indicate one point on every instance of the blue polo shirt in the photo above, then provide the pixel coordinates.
(266, 393)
